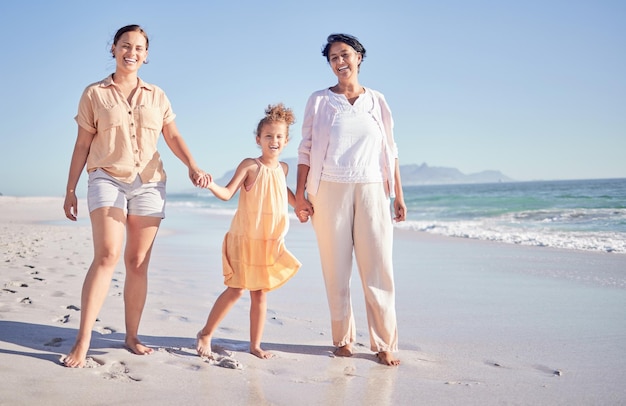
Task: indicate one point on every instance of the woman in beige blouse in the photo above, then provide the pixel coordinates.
(120, 119)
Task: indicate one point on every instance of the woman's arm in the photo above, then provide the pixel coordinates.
(303, 208)
(77, 164)
(399, 208)
(177, 144)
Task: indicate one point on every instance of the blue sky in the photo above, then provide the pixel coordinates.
(535, 89)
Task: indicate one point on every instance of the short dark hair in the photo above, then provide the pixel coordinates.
(346, 39)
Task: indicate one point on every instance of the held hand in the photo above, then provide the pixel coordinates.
(70, 206)
(199, 178)
(303, 215)
(303, 209)
(205, 181)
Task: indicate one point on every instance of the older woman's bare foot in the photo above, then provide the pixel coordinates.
(259, 352)
(386, 358)
(77, 356)
(203, 345)
(136, 347)
(343, 351)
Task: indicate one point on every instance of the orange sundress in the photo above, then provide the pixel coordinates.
(254, 256)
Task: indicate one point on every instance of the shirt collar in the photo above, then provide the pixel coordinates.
(108, 81)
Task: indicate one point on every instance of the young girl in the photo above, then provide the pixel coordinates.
(254, 256)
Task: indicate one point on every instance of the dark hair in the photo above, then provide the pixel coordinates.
(276, 113)
(129, 28)
(346, 39)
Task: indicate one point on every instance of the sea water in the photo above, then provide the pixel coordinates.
(572, 214)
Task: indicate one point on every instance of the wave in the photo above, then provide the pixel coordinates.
(614, 242)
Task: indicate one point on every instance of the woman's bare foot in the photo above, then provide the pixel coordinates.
(386, 358)
(77, 356)
(259, 352)
(343, 351)
(136, 347)
(203, 345)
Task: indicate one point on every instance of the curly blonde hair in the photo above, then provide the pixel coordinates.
(276, 112)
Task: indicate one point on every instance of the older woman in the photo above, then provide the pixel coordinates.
(348, 173)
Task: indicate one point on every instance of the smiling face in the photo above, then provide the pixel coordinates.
(344, 60)
(130, 51)
(272, 138)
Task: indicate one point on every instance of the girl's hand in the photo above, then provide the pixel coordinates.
(303, 209)
(199, 178)
(303, 215)
(205, 181)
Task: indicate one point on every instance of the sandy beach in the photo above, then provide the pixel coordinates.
(480, 323)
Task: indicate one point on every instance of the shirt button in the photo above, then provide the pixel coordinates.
(132, 124)
(130, 112)
(136, 163)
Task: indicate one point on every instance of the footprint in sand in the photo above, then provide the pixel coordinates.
(119, 371)
(221, 358)
(89, 362)
(106, 330)
(55, 342)
(276, 320)
(463, 383)
(72, 307)
(227, 362)
(15, 284)
(548, 370)
(26, 300)
(221, 361)
(63, 319)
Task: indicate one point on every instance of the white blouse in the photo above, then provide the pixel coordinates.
(319, 115)
(355, 144)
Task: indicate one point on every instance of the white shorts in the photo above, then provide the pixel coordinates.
(137, 198)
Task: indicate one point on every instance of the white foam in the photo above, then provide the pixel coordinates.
(545, 237)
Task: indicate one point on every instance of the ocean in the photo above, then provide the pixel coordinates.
(573, 214)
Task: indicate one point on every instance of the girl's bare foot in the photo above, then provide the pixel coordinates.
(386, 358)
(259, 352)
(343, 351)
(203, 345)
(136, 347)
(77, 356)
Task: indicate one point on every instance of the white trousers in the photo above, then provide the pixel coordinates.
(356, 218)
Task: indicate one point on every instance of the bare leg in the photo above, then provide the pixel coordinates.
(108, 234)
(258, 311)
(220, 308)
(387, 358)
(141, 232)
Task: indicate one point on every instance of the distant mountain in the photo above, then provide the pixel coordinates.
(423, 174)
(412, 174)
